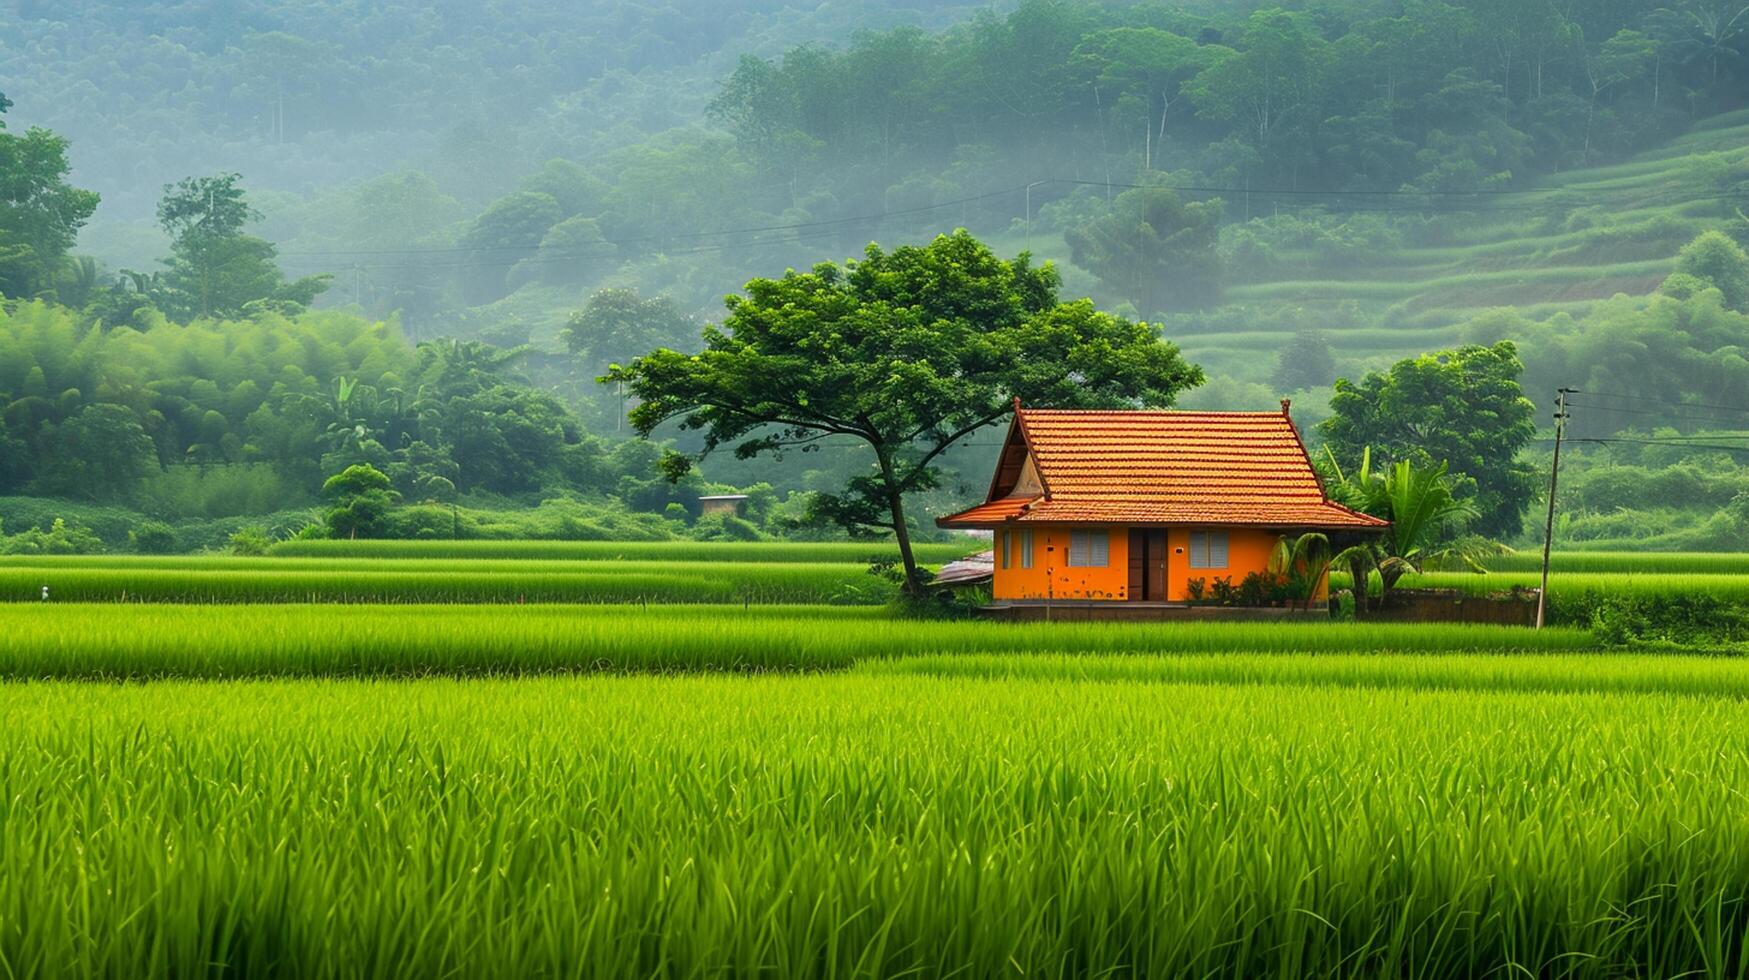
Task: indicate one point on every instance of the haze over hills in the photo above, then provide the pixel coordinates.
(1294, 192)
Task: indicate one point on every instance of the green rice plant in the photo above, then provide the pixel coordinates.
(1696, 675)
(871, 826)
(144, 641)
(248, 580)
(1576, 597)
(1627, 562)
(1723, 585)
(812, 552)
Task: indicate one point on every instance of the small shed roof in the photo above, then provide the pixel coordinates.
(970, 570)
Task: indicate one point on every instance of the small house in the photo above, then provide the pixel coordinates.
(1148, 506)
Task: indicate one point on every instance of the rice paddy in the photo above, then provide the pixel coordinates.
(1623, 562)
(622, 762)
(868, 826)
(670, 551)
(66, 640)
(293, 580)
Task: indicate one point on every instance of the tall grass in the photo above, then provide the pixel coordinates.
(869, 826)
(130, 641)
(673, 551)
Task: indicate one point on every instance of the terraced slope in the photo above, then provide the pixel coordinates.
(1568, 241)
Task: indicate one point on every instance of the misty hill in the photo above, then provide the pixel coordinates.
(1294, 191)
(489, 167)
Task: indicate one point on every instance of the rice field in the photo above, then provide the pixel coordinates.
(1624, 562)
(363, 580)
(668, 551)
(116, 642)
(476, 572)
(597, 762)
(1570, 585)
(871, 825)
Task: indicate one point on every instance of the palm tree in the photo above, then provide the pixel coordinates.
(1423, 512)
(1302, 562)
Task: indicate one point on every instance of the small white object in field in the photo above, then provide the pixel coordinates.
(45, 593)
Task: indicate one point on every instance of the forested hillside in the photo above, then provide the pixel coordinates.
(1292, 191)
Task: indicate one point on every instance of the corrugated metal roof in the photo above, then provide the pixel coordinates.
(970, 570)
(1165, 467)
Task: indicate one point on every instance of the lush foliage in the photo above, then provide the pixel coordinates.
(1425, 515)
(215, 270)
(251, 416)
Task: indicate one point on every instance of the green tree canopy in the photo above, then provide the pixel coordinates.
(1717, 261)
(1153, 248)
(618, 324)
(214, 268)
(908, 351)
(40, 213)
(1462, 407)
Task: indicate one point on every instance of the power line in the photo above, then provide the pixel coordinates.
(1654, 442)
(1734, 409)
(1726, 418)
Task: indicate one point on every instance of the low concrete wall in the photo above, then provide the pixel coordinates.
(1139, 611)
(1452, 606)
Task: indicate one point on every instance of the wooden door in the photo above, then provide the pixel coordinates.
(1154, 572)
(1138, 565)
(1148, 565)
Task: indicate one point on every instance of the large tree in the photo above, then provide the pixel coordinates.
(908, 351)
(1153, 249)
(215, 269)
(40, 213)
(618, 324)
(1462, 407)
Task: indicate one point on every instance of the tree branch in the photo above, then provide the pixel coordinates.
(918, 466)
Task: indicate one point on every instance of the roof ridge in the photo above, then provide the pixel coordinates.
(1248, 413)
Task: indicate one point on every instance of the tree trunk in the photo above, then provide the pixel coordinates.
(896, 506)
(1357, 571)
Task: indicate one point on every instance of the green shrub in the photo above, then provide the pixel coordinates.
(60, 539)
(153, 538)
(1686, 620)
(251, 541)
(724, 527)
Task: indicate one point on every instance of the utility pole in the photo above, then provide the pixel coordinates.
(1029, 188)
(1561, 415)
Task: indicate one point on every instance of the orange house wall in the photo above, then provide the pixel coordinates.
(1248, 550)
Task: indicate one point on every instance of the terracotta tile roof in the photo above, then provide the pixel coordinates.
(1160, 467)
